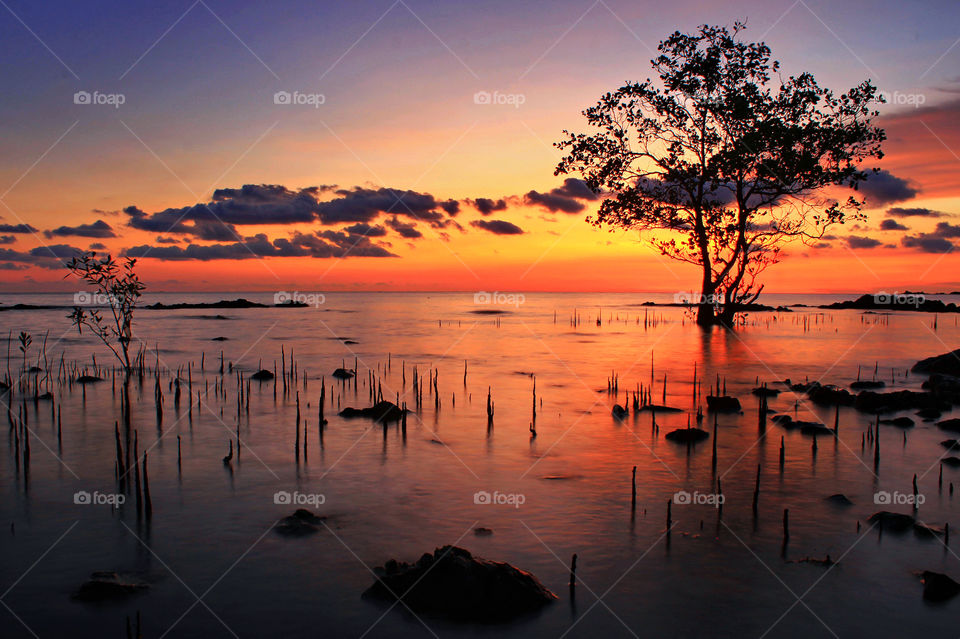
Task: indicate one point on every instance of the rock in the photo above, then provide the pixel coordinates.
(926, 530)
(814, 428)
(619, 411)
(782, 419)
(454, 584)
(828, 395)
(220, 338)
(896, 522)
(867, 384)
(380, 412)
(929, 414)
(839, 499)
(826, 562)
(657, 408)
(951, 425)
(723, 404)
(952, 462)
(938, 587)
(763, 391)
(899, 422)
(344, 373)
(480, 531)
(950, 444)
(687, 435)
(871, 402)
(262, 375)
(944, 387)
(948, 364)
(107, 586)
(300, 524)
(89, 379)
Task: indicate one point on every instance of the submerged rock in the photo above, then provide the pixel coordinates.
(300, 524)
(344, 373)
(723, 404)
(480, 531)
(763, 391)
(262, 375)
(380, 412)
(871, 402)
(107, 586)
(896, 522)
(950, 444)
(828, 395)
(453, 583)
(899, 422)
(952, 462)
(687, 435)
(938, 587)
(951, 425)
(839, 499)
(948, 364)
(89, 379)
(619, 411)
(657, 408)
(867, 384)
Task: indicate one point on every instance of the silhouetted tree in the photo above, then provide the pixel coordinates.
(729, 162)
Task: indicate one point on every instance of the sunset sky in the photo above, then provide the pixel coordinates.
(387, 104)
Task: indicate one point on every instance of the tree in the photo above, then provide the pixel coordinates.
(730, 164)
(119, 287)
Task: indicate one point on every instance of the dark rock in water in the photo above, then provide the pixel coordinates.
(929, 414)
(951, 425)
(762, 391)
(782, 419)
(867, 384)
(300, 524)
(950, 444)
(45, 396)
(948, 364)
(381, 412)
(896, 522)
(899, 422)
(619, 411)
(938, 587)
(839, 499)
(826, 562)
(107, 586)
(657, 408)
(221, 338)
(687, 435)
(912, 303)
(813, 428)
(89, 379)
(944, 387)
(952, 462)
(480, 531)
(723, 404)
(926, 530)
(344, 373)
(828, 395)
(454, 584)
(870, 402)
(262, 375)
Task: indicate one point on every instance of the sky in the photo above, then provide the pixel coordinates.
(407, 144)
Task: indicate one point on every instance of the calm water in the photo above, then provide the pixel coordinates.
(390, 497)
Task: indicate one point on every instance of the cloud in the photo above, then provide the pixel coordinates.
(497, 227)
(162, 239)
(10, 266)
(856, 241)
(362, 228)
(566, 198)
(883, 188)
(323, 244)
(17, 228)
(7, 239)
(486, 206)
(405, 229)
(915, 212)
(51, 257)
(947, 230)
(97, 246)
(892, 225)
(927, 243)
(99, 229)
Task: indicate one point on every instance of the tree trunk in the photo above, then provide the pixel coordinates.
(705, 314)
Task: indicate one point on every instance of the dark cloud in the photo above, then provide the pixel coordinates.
(884, 188)
(452, 207)
(51, 257)
(915, 212)
(927, 243)
(10, 266)
(17, 228)
(892, 225)
(566, 198)
(161, 239)
(362, 228)
(856, 241)
(7, 239)
(97, 246)
(498, 227)
(98, 229)
(486, 206)
(405, 229)
(323, 244)
(947, 230)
